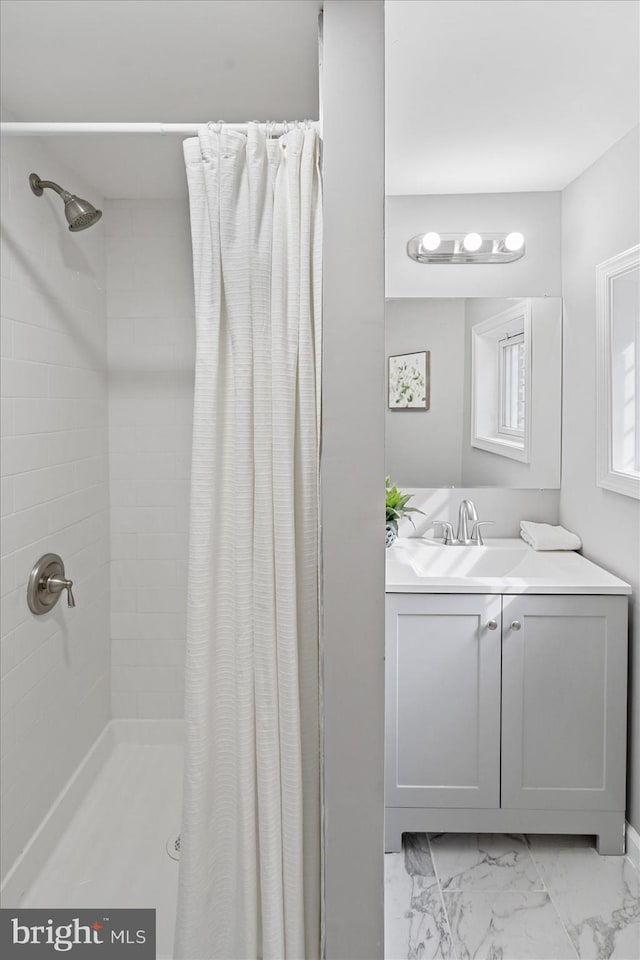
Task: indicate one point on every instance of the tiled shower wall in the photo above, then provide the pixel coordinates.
(151, 338)
(55, 668)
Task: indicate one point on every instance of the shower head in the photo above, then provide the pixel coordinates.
(80, 213)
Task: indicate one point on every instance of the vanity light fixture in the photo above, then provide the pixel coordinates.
(435, 247)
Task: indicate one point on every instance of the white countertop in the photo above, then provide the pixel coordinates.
(417, 565)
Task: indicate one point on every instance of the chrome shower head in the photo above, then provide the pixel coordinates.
(80, 213)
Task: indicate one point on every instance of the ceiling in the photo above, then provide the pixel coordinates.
(494, 96)
(154, 60)
(482, 95)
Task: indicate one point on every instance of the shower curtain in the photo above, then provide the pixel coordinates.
(249, 884)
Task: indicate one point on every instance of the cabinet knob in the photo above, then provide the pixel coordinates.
(492, 625)
(515, 624)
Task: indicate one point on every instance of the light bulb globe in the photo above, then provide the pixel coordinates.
(514, 242)
(430, 241)
(472, 242)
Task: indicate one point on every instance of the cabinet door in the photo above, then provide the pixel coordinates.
(442, 700)
(564, 702)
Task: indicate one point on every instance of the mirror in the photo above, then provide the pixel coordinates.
(474, 389)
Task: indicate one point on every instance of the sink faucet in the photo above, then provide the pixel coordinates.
(467, 515)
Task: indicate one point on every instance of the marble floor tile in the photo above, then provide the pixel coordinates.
(506, 926)
(429, 935)
(499, 862)
(598, 898)
(398, 887)
(415, 922)
(418, 860)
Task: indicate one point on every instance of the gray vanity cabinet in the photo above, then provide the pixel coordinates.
(443, 700)
(564, 702)
(506, 714)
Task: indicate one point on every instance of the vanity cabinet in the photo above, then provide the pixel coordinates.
(507, 714)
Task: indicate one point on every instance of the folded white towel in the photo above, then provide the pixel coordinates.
(544, 536)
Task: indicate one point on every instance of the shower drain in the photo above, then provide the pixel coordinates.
(173, 847)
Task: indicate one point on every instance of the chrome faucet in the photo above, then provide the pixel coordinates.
(467, 515)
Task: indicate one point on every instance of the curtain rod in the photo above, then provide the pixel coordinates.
(28, 129)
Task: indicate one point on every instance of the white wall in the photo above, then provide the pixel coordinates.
(55, 668)
(150, 317)
(536, 215)
(506, 508)
(425, 446)
(352, 478)
(600, 213)
(482, 468)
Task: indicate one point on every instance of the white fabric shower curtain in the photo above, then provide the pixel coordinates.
(249, 882)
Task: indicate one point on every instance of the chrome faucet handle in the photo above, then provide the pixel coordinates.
(58, 584)
(476, 532)
(447, 530)
(47, 580)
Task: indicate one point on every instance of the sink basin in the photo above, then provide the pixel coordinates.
(420, 565)
(429, 560)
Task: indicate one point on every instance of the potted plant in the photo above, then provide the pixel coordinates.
(396, 509)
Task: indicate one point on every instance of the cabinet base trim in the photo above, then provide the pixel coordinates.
(607, 826)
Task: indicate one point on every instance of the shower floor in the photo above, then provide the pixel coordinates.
(113, 854)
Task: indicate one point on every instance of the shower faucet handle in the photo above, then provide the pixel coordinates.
(58, 584)
(47, 580)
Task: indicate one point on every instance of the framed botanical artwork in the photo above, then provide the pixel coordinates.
(410, 381)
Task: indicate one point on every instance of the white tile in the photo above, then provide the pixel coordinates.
(156, 679)
(40, 486)
(598, 898)
(143, 519)
(78, 444)
(415, 920)
(20, 454)
(467, 861)
(163, 547)
(164, 493)
(156, 600)
(91, 471)
(123, 439)
(58, 416)
(7, 405)
(124, 677)
(161, 653)
(7, 575)
(123, 546)
(23, 528)
(6, 337)
(514, 925)
(166, 705)
(6, 496)
(23, 379)
(397, 888)
(124, 653)
(155, 466)
(124, 626)
(160, 626)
